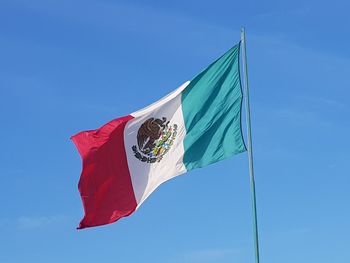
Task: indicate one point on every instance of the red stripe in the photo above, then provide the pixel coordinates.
(105, 183)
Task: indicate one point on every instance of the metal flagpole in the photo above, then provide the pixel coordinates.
(250, 151)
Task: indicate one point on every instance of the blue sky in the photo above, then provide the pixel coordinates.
(68, 66)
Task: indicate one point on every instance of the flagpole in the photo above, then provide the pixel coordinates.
(250, 150)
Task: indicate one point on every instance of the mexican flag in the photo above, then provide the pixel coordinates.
(125, 160)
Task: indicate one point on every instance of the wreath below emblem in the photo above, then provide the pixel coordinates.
(154, 139)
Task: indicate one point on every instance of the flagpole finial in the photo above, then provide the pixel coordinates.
(242, 33)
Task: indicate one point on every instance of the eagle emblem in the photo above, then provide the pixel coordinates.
(154, 139)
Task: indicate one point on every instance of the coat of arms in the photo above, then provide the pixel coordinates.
(154, 139)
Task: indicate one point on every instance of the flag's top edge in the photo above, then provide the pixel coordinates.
(160, 102)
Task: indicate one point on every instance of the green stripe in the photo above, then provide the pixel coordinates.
(211, 106)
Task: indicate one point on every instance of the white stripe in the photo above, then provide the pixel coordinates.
(160, 102)
(146, 177)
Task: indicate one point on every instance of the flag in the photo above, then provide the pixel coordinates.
(125, 160)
